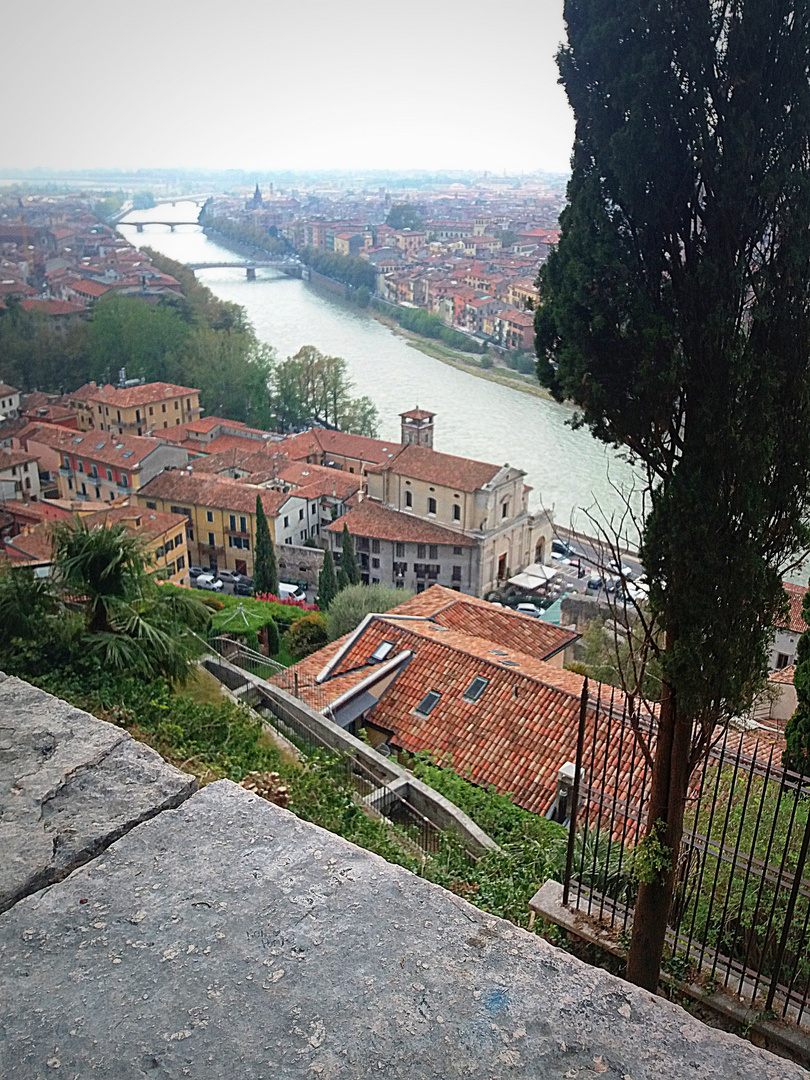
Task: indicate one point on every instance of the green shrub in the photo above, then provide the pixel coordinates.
(306, 635)
(353, 603)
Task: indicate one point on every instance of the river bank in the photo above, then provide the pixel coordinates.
(455, 358)
(461, 361)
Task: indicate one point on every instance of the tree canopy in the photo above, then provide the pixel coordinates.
(312, 388)
(404, 216)
(265, 569)
(675, 313)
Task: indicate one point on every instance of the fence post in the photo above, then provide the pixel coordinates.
(572, 828)
(295, 680)
(794, 893)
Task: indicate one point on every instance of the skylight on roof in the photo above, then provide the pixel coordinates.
(498, 652)
(382, 650)
(510, 663)
(428, 703)
(99, 445)
(77, 441)
(476, 688)
(127, 453)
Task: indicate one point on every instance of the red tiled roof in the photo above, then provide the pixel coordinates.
(371, 519)
(420, 463)
(337, 444)
(125, 451)
(204, 489)
(418, 414)
(516, 736)
(145, 394)
(54, 307)
(9, 458)
(783, 675)
(89, 288)
(795, 620)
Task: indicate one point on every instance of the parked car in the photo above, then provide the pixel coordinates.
(290, 592)
(529, 609)
(621, 569)
(209, 582)
(243, 588)
(195, 571)
(229, 577)
(565, 548)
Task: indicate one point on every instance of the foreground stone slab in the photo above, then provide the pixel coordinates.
(70, 785)
(229, 939)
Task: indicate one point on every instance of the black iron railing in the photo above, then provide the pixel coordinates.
(740, 915)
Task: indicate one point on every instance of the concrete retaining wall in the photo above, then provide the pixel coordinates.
(440, 811)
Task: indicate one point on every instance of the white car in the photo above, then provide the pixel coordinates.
(209, 582)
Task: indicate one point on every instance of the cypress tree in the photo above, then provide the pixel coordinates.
(265, 574)
(327, 582)
(348, 559)
(342, 580)
(797, 729)
(675, 312)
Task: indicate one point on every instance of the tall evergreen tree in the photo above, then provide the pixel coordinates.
(348, 559)
(675, 313)
(797, 729)
(327, 581)
(265, 572)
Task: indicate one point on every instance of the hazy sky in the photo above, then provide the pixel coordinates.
(303, 84)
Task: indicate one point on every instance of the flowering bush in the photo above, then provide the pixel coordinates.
(271, 598)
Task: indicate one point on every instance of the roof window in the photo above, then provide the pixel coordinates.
(428, 703)
(510, 663)
(382, 650)
(127, 453)
(99, 445)
(476, 688)
(498, 652)
(77, 441)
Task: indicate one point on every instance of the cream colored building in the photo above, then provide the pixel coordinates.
(135, 410)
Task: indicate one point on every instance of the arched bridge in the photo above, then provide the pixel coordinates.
(290, 267)
(140, 224)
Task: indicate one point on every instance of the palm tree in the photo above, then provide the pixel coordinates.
(129, 620)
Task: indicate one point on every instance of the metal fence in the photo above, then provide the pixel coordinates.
(419, 832)
(740, 914)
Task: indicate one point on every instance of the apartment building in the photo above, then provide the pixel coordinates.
(94, 465)
(135, 410)
(221, 515)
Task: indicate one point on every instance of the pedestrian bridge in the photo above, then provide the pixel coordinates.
(290, 267)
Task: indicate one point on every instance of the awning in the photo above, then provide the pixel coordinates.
(534, 577)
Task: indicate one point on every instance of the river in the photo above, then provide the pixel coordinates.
(568, 470)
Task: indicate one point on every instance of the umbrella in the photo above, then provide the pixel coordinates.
(239, 621)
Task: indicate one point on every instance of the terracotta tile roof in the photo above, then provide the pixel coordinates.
(512, 629)
(125, 451)
(145, 394)
(371, 519)
(418, 414)
(515, 737)
(419, 463)
(783, 675)
(12, 458)
(5, 389)
(795, 620)
(204, 424)
(337, 444)
(204, 489)
(37, 543)
(148, 524)
(230, 442)
(12, 287)
(89, 288)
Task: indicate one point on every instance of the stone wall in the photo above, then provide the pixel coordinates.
(299, 563)
(213, 935)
